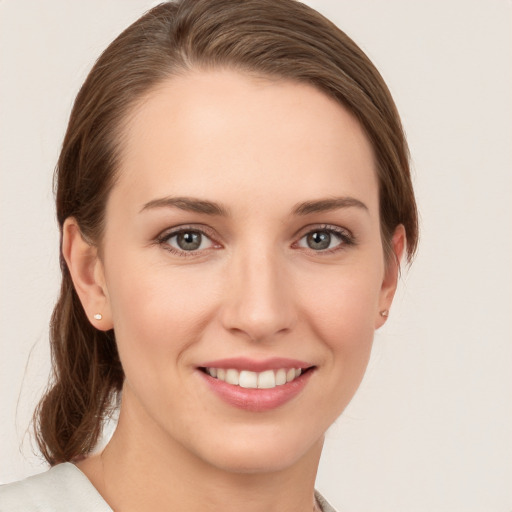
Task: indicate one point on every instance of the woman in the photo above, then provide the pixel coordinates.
(234, 199)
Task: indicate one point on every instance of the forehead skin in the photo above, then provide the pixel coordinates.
(207, 134)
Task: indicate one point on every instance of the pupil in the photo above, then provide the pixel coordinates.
(319, 240)
(189, 240)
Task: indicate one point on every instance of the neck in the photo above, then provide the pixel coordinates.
(143, 469)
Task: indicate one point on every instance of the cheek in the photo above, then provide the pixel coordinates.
(157, 314)
(343, 304)
(341, 314)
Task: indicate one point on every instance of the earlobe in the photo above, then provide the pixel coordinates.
(391, 274)
(86, 269)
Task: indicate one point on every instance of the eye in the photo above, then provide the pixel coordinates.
(186, 240)
(325, 239)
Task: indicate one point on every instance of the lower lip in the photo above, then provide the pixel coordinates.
(257, 400)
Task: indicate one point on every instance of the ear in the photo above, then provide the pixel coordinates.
(87, 273)
(391, 274)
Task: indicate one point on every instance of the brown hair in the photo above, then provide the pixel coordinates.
(275, 38)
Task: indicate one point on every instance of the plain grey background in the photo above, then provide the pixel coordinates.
(430, 428)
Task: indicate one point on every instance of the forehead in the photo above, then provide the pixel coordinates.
(232, 135)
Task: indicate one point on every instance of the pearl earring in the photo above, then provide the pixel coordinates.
(98, 316)
(384, 313)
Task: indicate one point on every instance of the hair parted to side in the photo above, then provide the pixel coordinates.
(275, 38)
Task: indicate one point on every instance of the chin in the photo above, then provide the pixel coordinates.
(259, 452)
(254, 462)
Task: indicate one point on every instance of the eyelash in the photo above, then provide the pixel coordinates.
(346, 239)
(163, 240)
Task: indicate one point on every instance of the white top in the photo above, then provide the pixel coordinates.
(64, 488)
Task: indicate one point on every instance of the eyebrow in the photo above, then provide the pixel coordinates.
(203, 206)
(188, 204)
(324, 205)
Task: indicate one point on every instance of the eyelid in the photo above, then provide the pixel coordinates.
(166, 234)
(347, 237)
(201, 228)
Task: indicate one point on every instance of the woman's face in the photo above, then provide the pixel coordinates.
(242, 239)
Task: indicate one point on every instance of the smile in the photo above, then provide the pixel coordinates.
(267, 379)
(256, 385)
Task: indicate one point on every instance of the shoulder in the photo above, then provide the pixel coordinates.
(324, 504)
(62, 488)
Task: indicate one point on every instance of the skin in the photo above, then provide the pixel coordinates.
(255, 288)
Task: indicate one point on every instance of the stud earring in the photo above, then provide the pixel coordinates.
(384, 313)
(98, 316)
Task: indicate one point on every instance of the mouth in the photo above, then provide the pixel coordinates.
(256, 386)
(267, 379)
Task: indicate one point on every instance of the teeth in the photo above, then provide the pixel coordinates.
(267, 380)
(248, 379)
(252, 380)
(232, 377)
(280, 377)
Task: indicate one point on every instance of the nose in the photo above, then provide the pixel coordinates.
(259, 302)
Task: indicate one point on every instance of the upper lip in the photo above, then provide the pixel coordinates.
(254, 365)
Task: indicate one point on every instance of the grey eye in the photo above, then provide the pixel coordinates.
(321, 240)
(189, 241)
